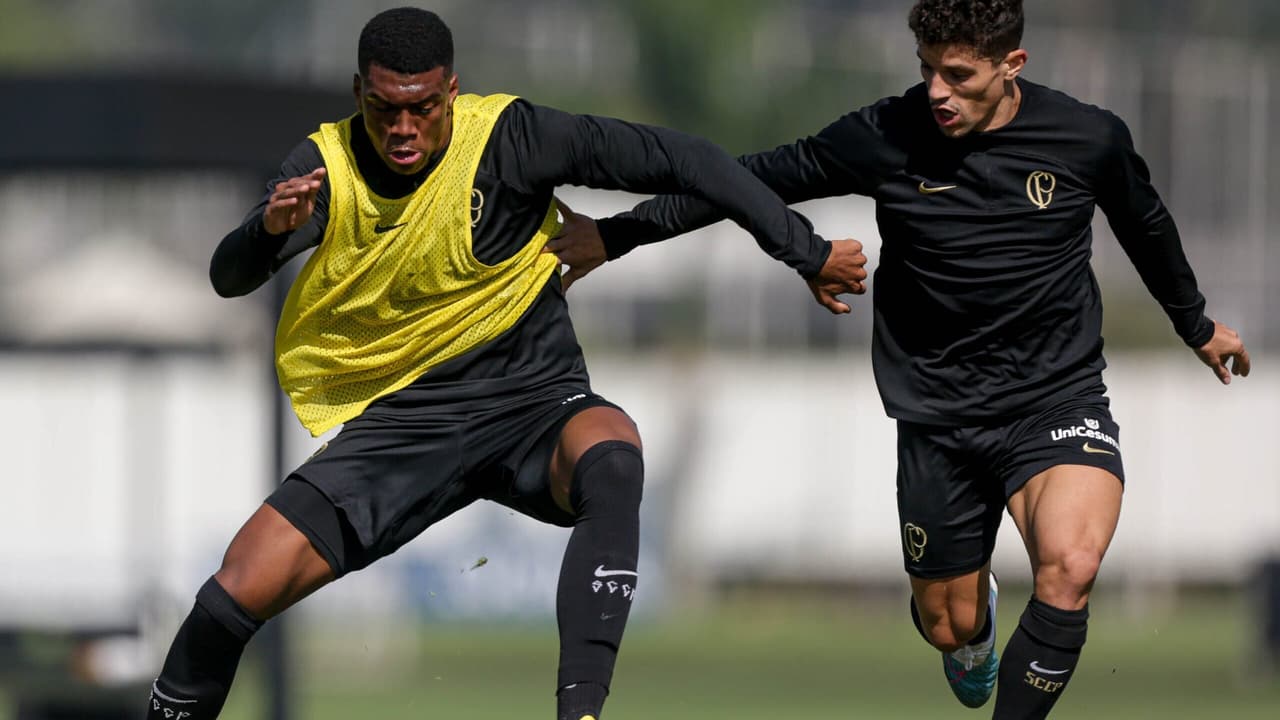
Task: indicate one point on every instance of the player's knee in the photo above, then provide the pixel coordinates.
(270, 565)
(262, 592)
(1066, 579)
(240, 587)
(608, 477)
(220, 604)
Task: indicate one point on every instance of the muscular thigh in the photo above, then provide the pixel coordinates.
(1067, 509)
(1065, 476)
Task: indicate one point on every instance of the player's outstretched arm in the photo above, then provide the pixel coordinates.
(580, 247)
(1225, 346)
(558, 149)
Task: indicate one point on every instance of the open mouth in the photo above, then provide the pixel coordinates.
(404, 156)
(945, 117)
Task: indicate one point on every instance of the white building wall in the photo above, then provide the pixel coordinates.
(124, 481)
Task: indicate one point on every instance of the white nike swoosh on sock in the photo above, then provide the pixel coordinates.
(166, 698)
(601, 572)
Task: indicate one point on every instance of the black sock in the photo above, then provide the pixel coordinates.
(202, 660)
(1038, 661)
(598, 574)
(580, 699)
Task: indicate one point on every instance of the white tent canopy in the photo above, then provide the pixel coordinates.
(122, 291)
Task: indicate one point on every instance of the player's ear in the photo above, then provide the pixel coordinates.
(356, 90)
(1014, 62)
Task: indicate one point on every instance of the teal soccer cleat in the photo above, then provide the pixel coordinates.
(971, 671)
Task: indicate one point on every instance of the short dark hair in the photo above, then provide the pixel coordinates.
(993, 28)
(406, 40)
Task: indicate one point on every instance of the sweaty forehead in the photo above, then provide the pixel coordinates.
(402, 88)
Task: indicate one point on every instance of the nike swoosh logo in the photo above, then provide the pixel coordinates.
(1035, 666)
(926, 190)
(384, 228)
(1097, 451)
(156, 691)
(601, 572)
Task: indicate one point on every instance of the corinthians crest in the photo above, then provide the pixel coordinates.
(1040, 187)
(914, 538)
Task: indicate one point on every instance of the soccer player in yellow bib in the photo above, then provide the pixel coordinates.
(429, 323)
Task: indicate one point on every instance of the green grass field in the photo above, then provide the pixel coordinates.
(781, 658)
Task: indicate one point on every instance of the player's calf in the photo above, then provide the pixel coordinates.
(598, 575)
(970, 662)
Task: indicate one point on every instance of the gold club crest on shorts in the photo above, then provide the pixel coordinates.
(914, 538)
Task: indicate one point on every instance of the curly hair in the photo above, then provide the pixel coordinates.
(406, 40)
(993, 28)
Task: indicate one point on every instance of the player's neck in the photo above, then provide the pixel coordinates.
(1007, 109)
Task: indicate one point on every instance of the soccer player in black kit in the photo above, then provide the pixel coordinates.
(429, 323)
(987, 343)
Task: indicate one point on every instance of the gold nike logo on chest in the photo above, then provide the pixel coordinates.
(926, 190)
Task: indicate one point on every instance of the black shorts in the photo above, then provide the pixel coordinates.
(954, 482)
(393, 472)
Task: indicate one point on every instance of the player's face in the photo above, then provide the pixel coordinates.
(409, 118)
(969, 93)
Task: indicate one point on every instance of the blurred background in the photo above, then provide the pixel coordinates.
(143, 423)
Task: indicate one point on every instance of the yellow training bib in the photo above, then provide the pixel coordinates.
(393, 289)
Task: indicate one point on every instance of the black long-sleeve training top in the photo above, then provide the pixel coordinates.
(532, 150)
(986, 307)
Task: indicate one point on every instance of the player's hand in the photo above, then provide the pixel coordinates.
(844, 272)
(578, 245)
(292, 202)
(1223, 346)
